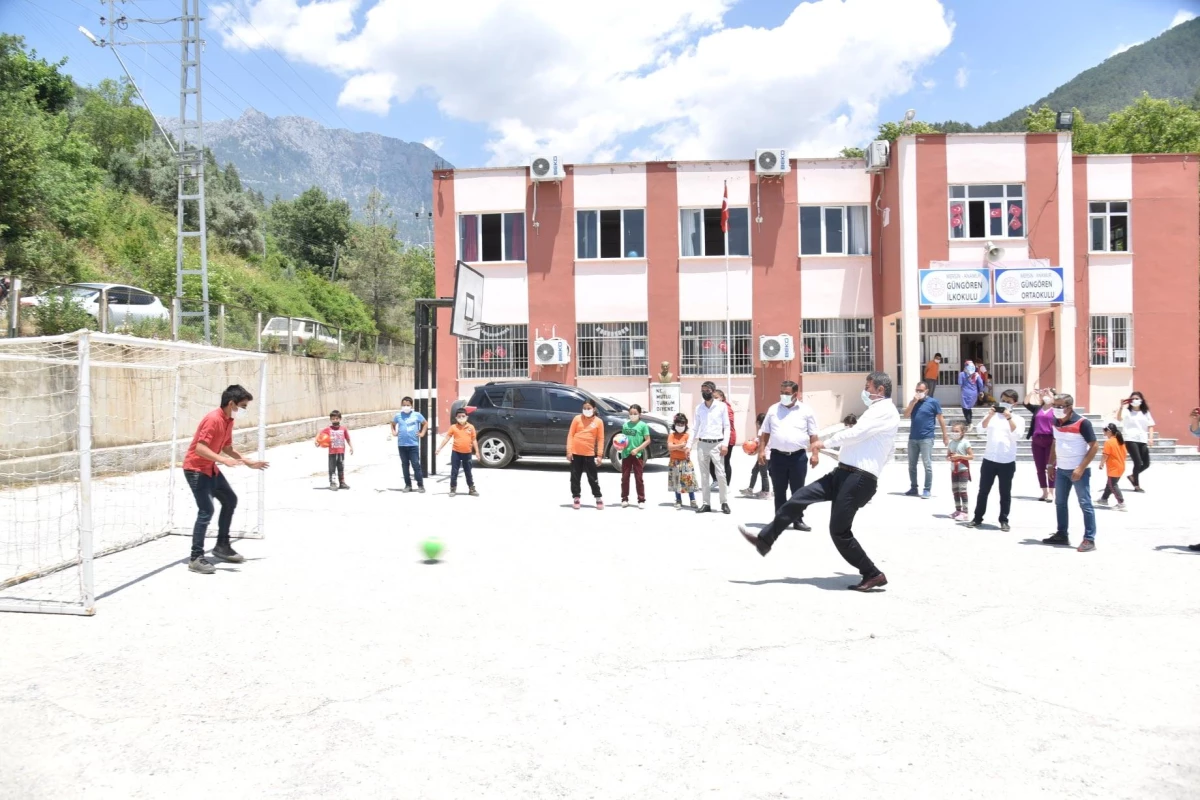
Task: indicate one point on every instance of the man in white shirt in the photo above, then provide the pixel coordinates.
(1003, 431)
(865, 448)
(710, 430)
(788, 429)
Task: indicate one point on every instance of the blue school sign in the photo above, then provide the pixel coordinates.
(1029, 287)
(955, 287)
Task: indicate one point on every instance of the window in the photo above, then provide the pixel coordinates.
(703, 348)
(564, 400)
(834, 230)
(491, 237)
(528, 398)
(1111, 341)
(137, 298)
(611, 349)
(838, 345)
(1109, 223)
(501, 352)
(700, 232)
(610, 234)
(987, 211)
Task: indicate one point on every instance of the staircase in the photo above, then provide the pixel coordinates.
(1163, 451)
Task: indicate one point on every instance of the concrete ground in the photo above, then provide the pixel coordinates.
(618, 654)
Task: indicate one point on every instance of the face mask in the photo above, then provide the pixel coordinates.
(1060, 413)
(866, 398)
(237, 412)
(1006, 406)
(956, 436)
(786, 399)
(462, 420)
(707, 395)
(405, 409)
(634, 417)
(680, 428)
(971, 369)
(333, 423)
(1135, 403)
(920, 395)
(587, 412)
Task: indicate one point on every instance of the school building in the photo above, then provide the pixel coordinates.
(1078, 272)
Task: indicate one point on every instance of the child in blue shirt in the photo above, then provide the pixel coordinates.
(408, 427)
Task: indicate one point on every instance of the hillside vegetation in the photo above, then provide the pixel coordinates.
(87, 192)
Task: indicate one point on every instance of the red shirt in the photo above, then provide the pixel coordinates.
(339, 437)
(216, 431)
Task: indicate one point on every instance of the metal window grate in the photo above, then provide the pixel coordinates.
(838, 345)
(611, 349)
(703, 348)
(1110, 343)
(501, 352)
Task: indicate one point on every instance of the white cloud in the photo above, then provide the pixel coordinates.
(582, 81)
(929, 83)
(434, 143)
(1181, 16)
(961, 76)
(1121, 48)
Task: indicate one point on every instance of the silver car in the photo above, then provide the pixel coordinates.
(126, 304)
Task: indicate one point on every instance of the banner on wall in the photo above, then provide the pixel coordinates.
(955, 287)
(1029, 286)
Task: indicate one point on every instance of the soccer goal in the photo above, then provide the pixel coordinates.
(93, 430)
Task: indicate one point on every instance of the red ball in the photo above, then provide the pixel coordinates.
(750, 447)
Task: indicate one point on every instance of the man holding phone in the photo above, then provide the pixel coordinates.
(1003, 432)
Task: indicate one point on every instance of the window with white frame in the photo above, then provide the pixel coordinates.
(491, 237)
(610, 233)
(703, 347)
(838, 345)
(700, 232)
(501, 352)
(1111, 340)
(987, 211)
(834, 230)
(1109, 224)
(611, 349)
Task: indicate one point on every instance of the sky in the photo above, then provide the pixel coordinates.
(490, 82)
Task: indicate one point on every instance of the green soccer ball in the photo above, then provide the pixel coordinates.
(432, 548)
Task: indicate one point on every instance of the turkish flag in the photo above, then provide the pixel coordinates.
(997, 212)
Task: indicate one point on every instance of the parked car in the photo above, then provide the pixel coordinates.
(126, 304)
(515, 419)
(619, 405)
(303, 330)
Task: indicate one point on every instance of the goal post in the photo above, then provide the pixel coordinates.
(94, 431)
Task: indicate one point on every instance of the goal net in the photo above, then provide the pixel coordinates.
(93, 432)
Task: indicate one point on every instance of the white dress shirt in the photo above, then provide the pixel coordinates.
(789, 427)
(1002, 438)
(869, 444)
(712, 422)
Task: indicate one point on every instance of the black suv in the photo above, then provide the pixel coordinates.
(531, 418)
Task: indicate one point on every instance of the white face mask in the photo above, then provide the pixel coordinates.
(1006, 406)
(462, 420)
(405, 409)
(634, 418)
(956, 436)
(1135, 403)
(238, 411)
(587, 412)
(786, 399)
(1060, 413)
(920, 395)
(867, 398)
(680, 428)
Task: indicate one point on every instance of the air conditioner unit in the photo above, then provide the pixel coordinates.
(551, 352)
(546, 168)
(771, 162)
(877, 155)
(776, 348)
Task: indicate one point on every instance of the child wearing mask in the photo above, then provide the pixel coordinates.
(633, 457)
(680, 476)
(761, 469)
(465, 445)
(338, 439)
(1114, 465)
(585, 449)
(959, 454)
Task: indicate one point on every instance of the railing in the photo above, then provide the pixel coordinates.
(139, 313)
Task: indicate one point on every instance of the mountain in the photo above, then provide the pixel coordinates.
(283, 156)
(1165, 66)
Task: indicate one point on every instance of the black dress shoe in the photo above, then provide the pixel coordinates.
(800, 526)
(1195, 547)
(762, 547)
(725, 508)
(869, 584)
(704, 509)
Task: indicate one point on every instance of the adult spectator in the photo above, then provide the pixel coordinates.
(720, 395)
(1071, 456)
(711, 429)
(1138, 428)
(923, 411)
(409, 427)
(865, 449)
(969, 383)
(931, 372)
(788, 429)
(1003, 430)
(1039, 403)
(986, 387)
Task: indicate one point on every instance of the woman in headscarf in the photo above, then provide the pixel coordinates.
(970, 384)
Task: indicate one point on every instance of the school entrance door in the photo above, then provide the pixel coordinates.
(997, 342)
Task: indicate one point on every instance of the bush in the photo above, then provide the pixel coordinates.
(315, 348)
(148, 328)
(59, 314)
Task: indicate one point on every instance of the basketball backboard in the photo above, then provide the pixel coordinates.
(467, 314)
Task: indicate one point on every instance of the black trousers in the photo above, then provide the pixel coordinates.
(205, 488)
(989, 471)
(579, 466)
(848, 490)
(337, 465)
(712, 471)
(763, 471)
(788, 471)
(1139, 453)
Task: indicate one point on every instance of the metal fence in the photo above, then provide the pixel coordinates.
(34, 308)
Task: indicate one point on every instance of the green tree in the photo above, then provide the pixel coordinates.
(110, 120)
(1152, 126)
(311, 228)
(1085, 136)
(852, 152)
(25, 73)
(373, 262)
(893, 130)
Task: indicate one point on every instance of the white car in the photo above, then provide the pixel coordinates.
(126, 304)
(303, 330)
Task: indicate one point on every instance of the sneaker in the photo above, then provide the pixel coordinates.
(575, 504)
(1057, 539)
(472, 492)
(599, 504)
(678, 505)
(407, 489)
(641, 505)
(343, 485)
(957, 515)
(227, 553)
(1086, 546)
(452, 493)
(1121, 507)
(763, 495)
(1139, 490)
(912, 492)
(692, 504)
(925, 495)
(333, 486)
(748, 492)
(1103, 501)
(201, 565)
(974, 523)
(421, 489)
(1004, 527)
(624, 504)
